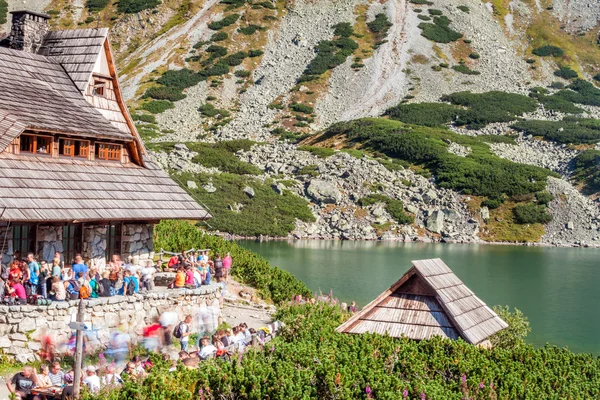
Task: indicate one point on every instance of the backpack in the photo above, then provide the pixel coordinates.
(130, 288)
(4, 273)
(74, 284)
(100, 288)
(84, 292)
(177, 331)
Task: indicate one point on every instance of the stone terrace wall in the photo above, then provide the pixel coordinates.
(22, 327)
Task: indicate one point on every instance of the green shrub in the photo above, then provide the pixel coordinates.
(216, 51)
(581, 92)
(268, 5)
(208, 110)
(493, 202)
(474, 56)
(226, 21)
(255, 53)
(234, 3)
(250, 29)
(181, 78)
(531, 214)
(92, 5)
(135, 6)
(424, 17)
(548, 50)
(596, 77)
(219, 37)
(242, 73)
(439, 31)
(464, 9)
(310, 170)
(566, 73)
(164, 93)
(557, 85)
(236, 58)
(544, 197)
(144, 118)
(463, 69)
(89, 19)
(380, 24)
(427, 114)
(394, 207)
(343, 29)
(157, 106)
(514, 336)
(480, 173)
(586, 169)
(433, 11)
(302, 108)
(567, 131)
(321, 152)
(249, 268)
(426, 2)
(330, 54)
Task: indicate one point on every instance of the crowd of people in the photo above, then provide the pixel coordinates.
(29, 280)
(25, 279)
(116, 364)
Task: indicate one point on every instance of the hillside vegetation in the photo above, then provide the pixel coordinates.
(311, 361)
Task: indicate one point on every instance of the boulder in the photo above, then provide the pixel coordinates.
(323, 192)
(249, 191)
(278, 188)
(435, 221)
(485, 213)
(570, 225)
(192, 185)
(209, 187)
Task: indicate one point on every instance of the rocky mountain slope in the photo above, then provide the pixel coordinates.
(200, 75)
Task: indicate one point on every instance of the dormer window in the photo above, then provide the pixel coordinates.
(99, 89)
(74, 148)
(109, 152)
(36, 144)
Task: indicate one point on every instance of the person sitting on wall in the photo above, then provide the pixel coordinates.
(148, 276)
(105, 288)
(16, 292)
(72, 288)
(206, 273)
(173, 261)
(131, 284)
(15, 273)
(207, 350)
(189, 277)
(58, 292)
(180, 276)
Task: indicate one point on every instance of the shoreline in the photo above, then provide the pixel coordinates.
(261, 238)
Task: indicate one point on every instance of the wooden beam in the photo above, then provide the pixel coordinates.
(136, 149)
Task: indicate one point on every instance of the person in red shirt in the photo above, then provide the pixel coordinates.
(189, 277)
(173, 261)
(15, 274)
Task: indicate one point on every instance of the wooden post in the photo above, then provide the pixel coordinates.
(78, 352)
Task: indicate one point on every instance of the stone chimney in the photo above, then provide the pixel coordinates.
(28, 30)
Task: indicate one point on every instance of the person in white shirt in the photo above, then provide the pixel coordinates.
(186, 331)
(207, 349)
(110, 378)
(92, 381)
(148, 275)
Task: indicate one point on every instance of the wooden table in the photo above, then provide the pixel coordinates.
(53, 392)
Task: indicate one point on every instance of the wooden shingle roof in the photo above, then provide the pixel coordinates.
(429, 300)
(38, 189)
(77, 50)
(37, 93)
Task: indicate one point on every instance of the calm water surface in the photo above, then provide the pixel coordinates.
(557, 288)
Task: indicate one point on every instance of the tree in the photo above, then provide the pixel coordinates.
(518, 328)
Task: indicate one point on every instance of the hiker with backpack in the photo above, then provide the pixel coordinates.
(131, 284)
(34, 273)
(183, 331)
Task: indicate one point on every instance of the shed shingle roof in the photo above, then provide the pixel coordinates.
(76, 50)
(38, 94)
(429, 300)
(44, 189)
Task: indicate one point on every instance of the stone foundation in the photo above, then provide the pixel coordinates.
(22, 327)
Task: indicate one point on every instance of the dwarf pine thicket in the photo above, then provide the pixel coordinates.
(309, 360)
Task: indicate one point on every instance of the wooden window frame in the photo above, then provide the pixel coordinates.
(99, 88)
(35, 137)
(118, 148)
(82, 143)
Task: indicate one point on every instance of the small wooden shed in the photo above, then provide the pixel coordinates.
(429, 300)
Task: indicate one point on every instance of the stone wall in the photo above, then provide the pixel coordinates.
(94, 244)
(137, 241)
(49, 241)
(22, 327)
